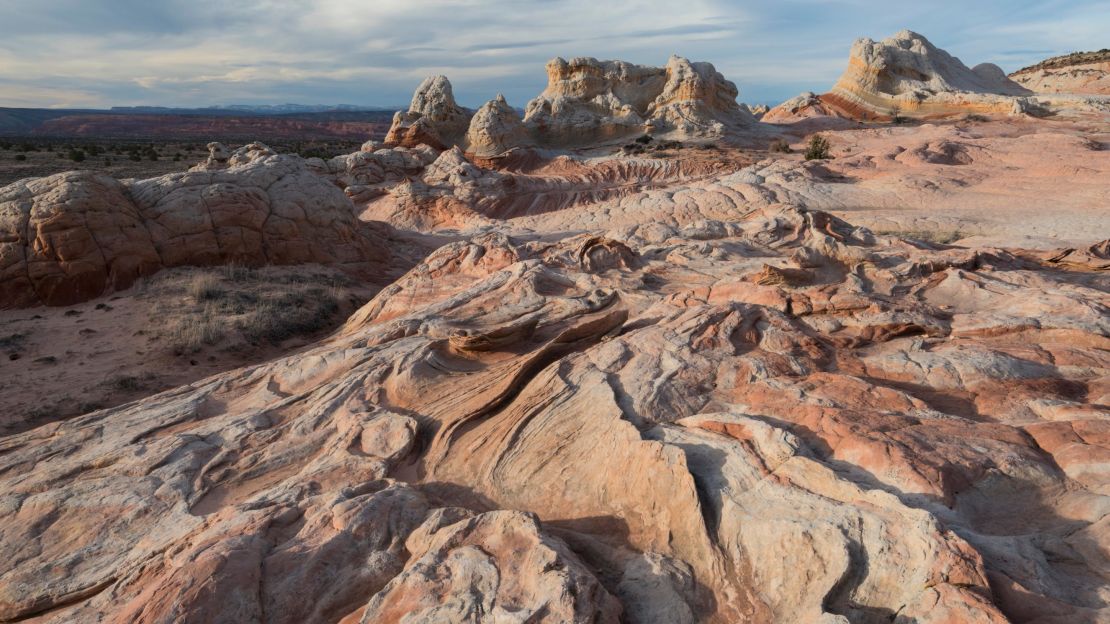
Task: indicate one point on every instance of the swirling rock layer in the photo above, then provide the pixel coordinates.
(778, 417)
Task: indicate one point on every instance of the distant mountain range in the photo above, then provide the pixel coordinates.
(253, 109)
(239, 122)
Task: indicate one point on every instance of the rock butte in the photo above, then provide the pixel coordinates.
(685, 382)
(907, 76)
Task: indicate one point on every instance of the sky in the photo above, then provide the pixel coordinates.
(192, 53)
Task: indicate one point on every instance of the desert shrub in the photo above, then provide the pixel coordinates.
(817, 148)
(134, 157)
(645, 139)
(238, 273)
(975, 117)
(13, 341)
(76, 155)
(943, 237)
(780, 146)
(288, 315)
(126, 383)
(205, 287)
(21, 157)
(191, 333)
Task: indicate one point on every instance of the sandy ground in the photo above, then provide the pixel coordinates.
(175, 328)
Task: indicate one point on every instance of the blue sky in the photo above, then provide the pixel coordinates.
(100, 53)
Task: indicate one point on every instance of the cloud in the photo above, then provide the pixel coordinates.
(200, 52)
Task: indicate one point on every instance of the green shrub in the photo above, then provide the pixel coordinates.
(76, 155)
(21, 157)
(817, 148)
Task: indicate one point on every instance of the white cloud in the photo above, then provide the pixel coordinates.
(198, 52)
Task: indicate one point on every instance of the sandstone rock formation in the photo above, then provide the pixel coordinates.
(74, 236)
(433, 117)
(495, 129)
(909, 75)
(803, 106)
(589, 101)
(635, 424)
(756, 111)
(696, 101)
(1083, 72)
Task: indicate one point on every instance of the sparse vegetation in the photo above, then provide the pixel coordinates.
(940, 237)
(21, 157)
(76, 155)
(896, 117)
(13, 342)
(228, 306)
(205, 287)
(126, 383)
(817, 148)
(191, 333)
(288, 315)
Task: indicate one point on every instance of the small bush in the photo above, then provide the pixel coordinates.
(190, 334)
(13, 341)
(817, 148)
(288, 315)
(134, 157)
(76, 155)
(238, 273)
(645, 139)
(205, 287)
(21, 157)
(126, 383)
(780, 146)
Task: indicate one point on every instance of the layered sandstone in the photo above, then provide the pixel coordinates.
(658, 424)
(906, 74)
(589, 101)
(495, 129)
(433, 117)
(804, 106)
(1078, 73)
(73, 236)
